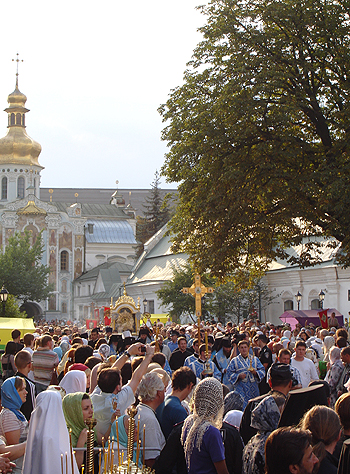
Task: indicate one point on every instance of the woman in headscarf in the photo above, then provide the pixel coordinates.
(334, 373)
(328, 343)
(265, 418)
(201, 438)
(13, 424)
(48, 438)
(74, 381)
(77, 409)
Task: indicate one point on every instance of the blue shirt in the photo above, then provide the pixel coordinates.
(169, 413)
(173, 345)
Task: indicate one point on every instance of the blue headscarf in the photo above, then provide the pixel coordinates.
(10, 398)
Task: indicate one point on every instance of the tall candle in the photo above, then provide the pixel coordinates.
(100, 461)
(117, 430)
(62, 471)
(143, 445)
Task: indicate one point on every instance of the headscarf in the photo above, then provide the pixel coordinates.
(48, 437)
(10, 398)
(265, 418)
(233, 401)
(58, 351)
(77, 366)
(328, 342)
(73, 414)
(334, 354)
(74, 381)
(208, 409)
(234, 417)
(104, 351)
(65, 346)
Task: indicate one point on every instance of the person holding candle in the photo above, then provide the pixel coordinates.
(77, 409)
(48, 438)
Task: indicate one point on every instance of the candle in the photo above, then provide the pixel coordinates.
(100, 461)
(138, 451)
(71, 449)
(143, 445)
(105, 459)
(66, 462)
(62, 471)
(117, 430)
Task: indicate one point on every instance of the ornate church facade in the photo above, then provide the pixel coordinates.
(76, 236)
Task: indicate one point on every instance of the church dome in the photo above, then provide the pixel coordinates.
(17, 147)
(16, 98)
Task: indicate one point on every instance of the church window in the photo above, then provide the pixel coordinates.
(64, 308)
(64, 286)
(288, 304)
(13, 119)
(23, 120)
(4, 188)
(64, 261)
(18, 119)
(34, 186)
(20, 187)
(315, 304)
(151, 306)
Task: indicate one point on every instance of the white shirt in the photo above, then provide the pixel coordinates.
(154, 438)
(307, 370)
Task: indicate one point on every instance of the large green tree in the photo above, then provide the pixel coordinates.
(21, 270)
(259, 135)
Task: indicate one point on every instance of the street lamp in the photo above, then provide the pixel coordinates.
(144, 305)
(321, 296)
(3, 296)
(298, 297)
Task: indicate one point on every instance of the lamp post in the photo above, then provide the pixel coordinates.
(321, 296)
(3, 296)
(298, 297)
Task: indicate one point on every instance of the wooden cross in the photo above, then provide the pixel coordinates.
(198, 290)
(17, 61)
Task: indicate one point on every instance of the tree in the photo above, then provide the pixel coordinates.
(11, 309)
(259, 135)
(156, 214)
(21, 270)
(179, 303)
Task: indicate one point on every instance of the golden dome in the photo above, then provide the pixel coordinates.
(17, 147)
(16, 98)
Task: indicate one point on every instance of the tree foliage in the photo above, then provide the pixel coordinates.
(21, 270)
(156, 214)
(12, 309)
(259, 135)
(181, 304)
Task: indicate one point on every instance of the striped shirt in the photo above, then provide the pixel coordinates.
(44, 361)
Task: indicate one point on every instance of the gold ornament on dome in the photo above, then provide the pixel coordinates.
(32, 209)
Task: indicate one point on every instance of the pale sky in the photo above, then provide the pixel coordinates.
(94, 74)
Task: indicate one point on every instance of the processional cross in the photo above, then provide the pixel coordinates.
(198, 290)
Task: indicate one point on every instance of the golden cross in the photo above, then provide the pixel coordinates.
(17, 61)
(198, 290)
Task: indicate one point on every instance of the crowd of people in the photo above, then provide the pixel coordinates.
(251, 398)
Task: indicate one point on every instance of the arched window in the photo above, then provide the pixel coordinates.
(23, 120)
(13, 119)
(64, 308)
(315, 304)
(4, 188)
(18, 119)
(64, 286)
(288, 305)
(20, 187)
(34, 186)
(64, 261)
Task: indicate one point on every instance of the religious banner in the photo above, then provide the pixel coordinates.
(323, 318)
(91, 323)
(107, 315)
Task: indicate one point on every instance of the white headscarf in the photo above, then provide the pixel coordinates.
(74, 381)
(234, 417)
(48, 437)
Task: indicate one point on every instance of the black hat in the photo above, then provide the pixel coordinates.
(226, 342)
(144, 331)
(174, 333)
(108, 329)
(280, 373)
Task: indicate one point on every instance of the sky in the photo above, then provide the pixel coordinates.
(94, 74)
